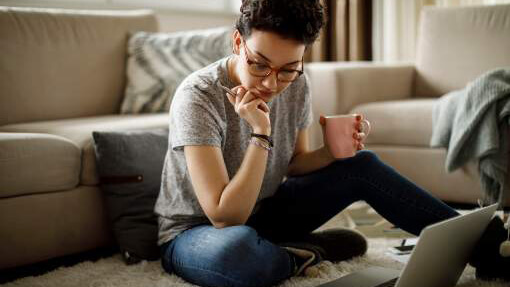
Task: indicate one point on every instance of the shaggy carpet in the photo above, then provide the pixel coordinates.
(112, 272)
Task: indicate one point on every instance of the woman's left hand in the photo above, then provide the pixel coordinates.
(359, 136)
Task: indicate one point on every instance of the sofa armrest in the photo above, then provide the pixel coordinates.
(337, 87)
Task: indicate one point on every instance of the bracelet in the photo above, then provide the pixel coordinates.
(262, 140)
(266, 137)
(260, 144)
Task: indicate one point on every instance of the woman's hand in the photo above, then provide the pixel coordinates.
(252, 109)
(358, 136)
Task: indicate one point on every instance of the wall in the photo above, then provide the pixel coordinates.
(173, 15)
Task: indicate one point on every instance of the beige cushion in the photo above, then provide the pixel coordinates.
(421, 164)
(59, 64)
(425, 167)
(406, 122)
(337, 87)
(33, 163)
(80, 130)
(458, 44)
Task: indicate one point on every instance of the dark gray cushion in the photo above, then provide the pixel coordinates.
(129, 165)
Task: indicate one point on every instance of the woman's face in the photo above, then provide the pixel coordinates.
(267, 52)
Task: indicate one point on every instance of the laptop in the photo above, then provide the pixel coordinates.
(438, 259)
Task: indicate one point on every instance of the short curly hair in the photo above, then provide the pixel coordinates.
(300, 20)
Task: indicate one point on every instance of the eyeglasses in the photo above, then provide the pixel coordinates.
(263, 70)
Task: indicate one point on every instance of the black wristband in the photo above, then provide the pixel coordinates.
(266, 137)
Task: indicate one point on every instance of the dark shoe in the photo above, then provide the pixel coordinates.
(489, 264)
(338, 243)
(304, 255)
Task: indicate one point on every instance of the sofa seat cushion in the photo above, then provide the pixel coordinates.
(79, 131)
(35, 163)
(405, 122)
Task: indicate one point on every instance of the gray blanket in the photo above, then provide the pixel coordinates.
(472, 124)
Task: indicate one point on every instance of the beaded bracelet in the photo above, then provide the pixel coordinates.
(262, 140)
(261, 143)
(265, 137)
(257, 142)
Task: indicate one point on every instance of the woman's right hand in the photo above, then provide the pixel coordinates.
(252, 109)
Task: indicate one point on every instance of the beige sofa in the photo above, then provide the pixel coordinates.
(63, 76)
(455, 46)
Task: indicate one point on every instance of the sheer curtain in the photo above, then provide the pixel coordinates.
(395, 25)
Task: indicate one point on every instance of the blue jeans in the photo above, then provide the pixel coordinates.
(248, 255)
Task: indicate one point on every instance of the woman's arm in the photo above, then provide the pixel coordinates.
(230, 202)
(226, 202)
(305, 161)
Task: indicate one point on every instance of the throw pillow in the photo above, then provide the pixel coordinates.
(129, 165)
(158, 62)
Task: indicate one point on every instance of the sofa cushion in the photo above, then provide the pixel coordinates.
(158, 62)
(421, 164)
(35, 163)
(60, 63)
(456, 45)
(79, 131)
(130, 164)
(406, 122)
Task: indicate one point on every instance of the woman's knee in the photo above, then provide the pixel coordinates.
(211, 242)
(362, 159)
(235, 256)
(367, 155)
(257, 260)
(366, 159)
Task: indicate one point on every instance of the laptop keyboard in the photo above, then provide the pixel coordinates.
(390, 283)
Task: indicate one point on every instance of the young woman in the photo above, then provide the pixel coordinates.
(241, 191)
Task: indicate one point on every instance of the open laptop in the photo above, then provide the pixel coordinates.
(438, 259)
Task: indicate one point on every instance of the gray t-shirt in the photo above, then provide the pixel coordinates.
(200, 114)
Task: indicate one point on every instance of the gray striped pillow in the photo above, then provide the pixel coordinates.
(158, 62)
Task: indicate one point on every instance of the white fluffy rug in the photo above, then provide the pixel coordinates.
(112, 272)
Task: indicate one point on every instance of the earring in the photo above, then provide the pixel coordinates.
(504, 248)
